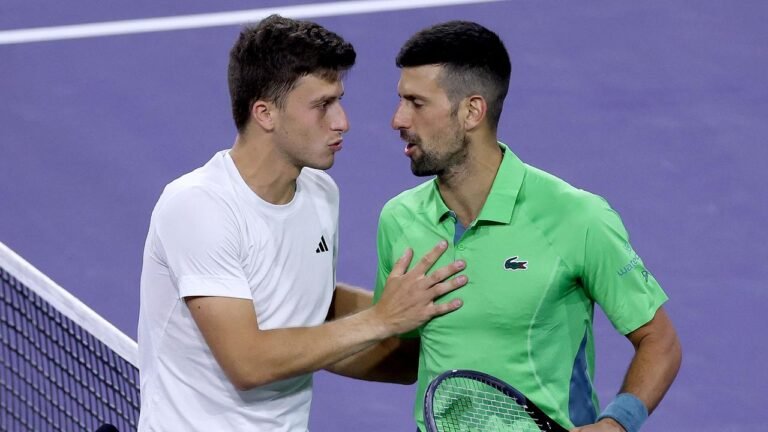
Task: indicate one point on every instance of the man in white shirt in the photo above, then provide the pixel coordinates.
(239, 299)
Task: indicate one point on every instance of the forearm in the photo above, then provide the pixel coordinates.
(349, 299)
(392, 360)
(650, 374)
(653, 368)
(283, 353)
(251, 356)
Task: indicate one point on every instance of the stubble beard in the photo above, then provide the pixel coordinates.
(437, 163)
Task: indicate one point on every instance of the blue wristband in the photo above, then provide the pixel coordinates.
(629, 411)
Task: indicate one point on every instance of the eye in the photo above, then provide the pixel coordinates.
(413, 101)
(326, 103)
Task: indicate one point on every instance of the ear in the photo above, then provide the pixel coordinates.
(475, 110)
(262, 115)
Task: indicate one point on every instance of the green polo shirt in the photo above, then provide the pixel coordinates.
(539, 256)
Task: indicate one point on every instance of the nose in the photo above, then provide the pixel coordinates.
(340, 121)
(400, 120)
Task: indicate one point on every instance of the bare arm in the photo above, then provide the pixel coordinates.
(653, 368)
(348, 300)
(252, 357)
(657, 359)
(391, 360)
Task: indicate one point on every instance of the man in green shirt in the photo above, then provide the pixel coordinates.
(539, 252)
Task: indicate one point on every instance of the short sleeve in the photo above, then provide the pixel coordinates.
(199, 234)
(614, 274)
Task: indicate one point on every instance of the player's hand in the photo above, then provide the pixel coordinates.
(604, 425)
(408, 298)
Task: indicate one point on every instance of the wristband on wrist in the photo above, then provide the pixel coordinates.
(629, 411)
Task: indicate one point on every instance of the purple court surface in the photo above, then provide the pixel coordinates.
(659, 106)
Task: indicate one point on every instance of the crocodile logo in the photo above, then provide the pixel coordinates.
(514, 264)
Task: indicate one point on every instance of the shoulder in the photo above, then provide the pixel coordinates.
(409, 202)
(546, 194)
(405, 209)
(318, 181)
(198, 192)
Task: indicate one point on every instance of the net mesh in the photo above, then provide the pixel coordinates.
(55, 375)
(466, 405)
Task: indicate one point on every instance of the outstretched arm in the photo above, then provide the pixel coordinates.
(653, 368)
(348, 300)
(392, 360)
(252, 357)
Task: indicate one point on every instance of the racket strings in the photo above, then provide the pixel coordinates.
(467, 405)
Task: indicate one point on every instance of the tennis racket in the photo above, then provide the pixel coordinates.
(471, 401)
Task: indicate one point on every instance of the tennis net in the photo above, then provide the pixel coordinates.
(62, 366)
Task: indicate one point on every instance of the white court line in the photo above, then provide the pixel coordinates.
(182, 22)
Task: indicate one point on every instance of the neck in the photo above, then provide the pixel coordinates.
(465, 188)
(264, 169)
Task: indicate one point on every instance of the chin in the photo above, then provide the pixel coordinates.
(421, 171)
(325, 165)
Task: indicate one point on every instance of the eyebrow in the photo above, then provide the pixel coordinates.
(411, 97)
(327, 98)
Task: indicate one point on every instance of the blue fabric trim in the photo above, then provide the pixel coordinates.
(459, 231)
(629, 411)
(580, 407)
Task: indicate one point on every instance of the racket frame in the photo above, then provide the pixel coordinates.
(545, 423)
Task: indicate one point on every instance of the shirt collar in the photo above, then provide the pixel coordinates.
(502, 197)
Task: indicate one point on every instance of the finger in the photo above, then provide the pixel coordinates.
(402, 263)
(430, 258)
(444, 308)
(449, 285)
(447, 271)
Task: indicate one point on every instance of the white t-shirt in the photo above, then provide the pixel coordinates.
(211, 235)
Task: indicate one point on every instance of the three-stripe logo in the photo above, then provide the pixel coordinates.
(322, 246)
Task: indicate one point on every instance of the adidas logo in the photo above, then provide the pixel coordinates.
(322, 246)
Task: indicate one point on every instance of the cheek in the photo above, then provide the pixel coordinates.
(424, 124)
(437, 128)
(434, 118)
(296, 130)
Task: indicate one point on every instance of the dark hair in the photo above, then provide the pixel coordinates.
(269, 58)
(474, 59)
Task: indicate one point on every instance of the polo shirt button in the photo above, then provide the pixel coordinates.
(460, 247)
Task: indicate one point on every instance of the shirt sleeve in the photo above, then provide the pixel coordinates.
(614, 274)
(199, 234)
